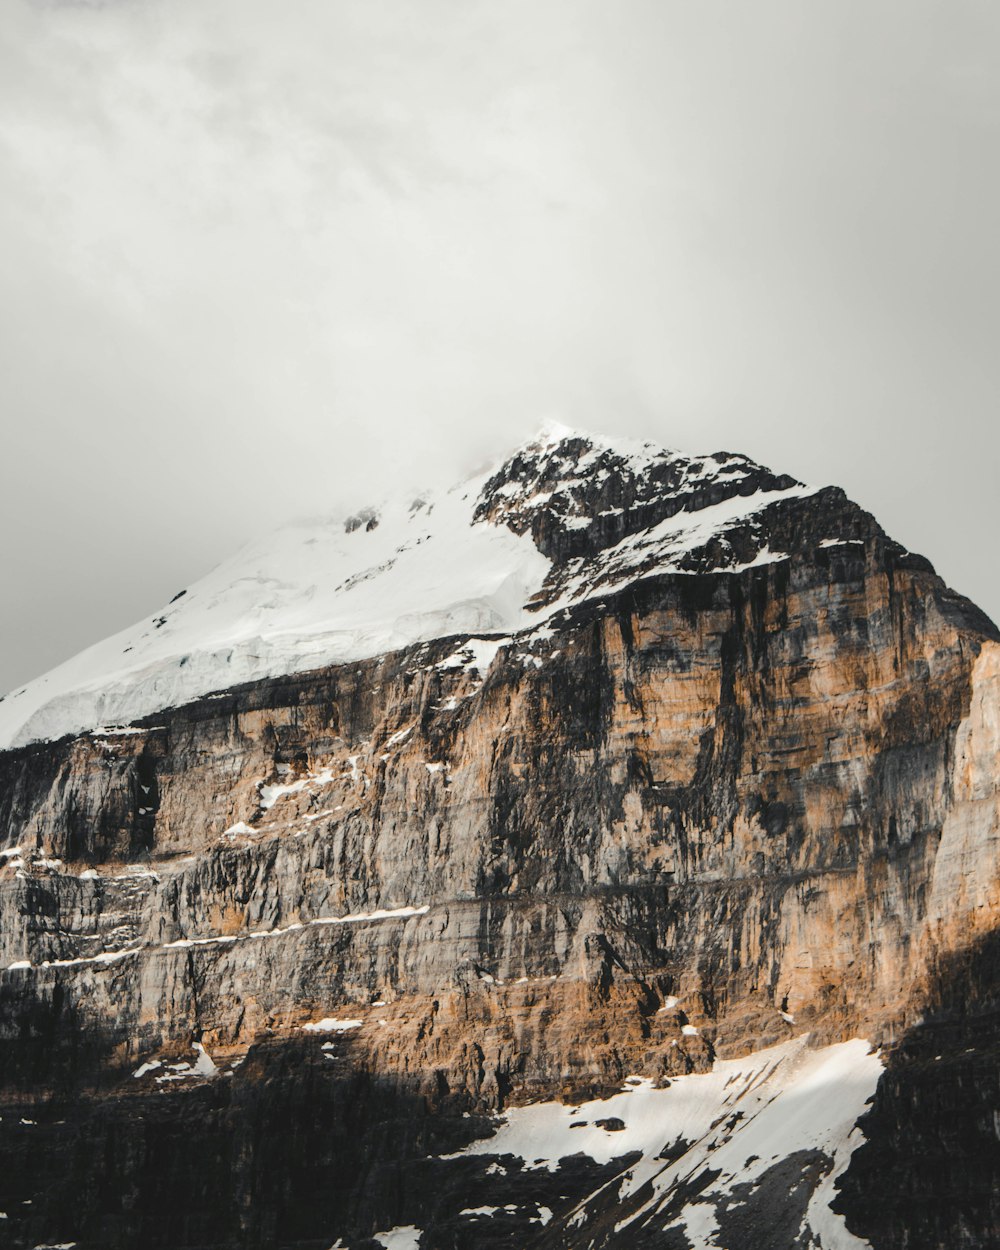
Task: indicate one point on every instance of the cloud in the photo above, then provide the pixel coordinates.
(265, 259)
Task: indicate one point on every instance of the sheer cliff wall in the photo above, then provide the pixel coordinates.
(770, 795)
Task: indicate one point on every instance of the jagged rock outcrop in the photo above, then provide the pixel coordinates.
(722, 771)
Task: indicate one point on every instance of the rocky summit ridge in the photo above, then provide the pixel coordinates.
(602, 853)
(566, 517)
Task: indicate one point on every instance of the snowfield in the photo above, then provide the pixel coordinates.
(307, 596)
(744, 1119)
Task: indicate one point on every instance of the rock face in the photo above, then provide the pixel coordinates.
(719, 782)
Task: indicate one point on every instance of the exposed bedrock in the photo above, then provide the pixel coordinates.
(687, 821)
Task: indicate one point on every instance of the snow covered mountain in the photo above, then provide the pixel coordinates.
(600, 855)
(566, 518)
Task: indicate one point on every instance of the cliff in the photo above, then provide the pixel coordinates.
(677, 779)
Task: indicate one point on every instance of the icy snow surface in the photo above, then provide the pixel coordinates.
(309, 595)
(203, 1067)
(321, 593)
(740, 1119)
(332, 1025)
(406, 1237)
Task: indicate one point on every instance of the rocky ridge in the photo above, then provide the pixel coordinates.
(720, 772)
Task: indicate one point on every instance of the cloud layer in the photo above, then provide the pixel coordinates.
(261, 260)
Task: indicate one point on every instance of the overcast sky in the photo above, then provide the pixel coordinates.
(262, 258)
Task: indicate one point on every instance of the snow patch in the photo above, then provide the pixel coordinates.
(475, 653)
(663, 547)
(203, 1068)
(270, 794)
(405, 1237)
(241, 826)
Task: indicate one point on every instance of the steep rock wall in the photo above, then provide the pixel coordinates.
(778, 771)
(691, 819)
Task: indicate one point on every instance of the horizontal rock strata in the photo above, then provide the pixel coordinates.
(694, 816)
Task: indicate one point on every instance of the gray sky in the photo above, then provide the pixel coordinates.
(261, 259)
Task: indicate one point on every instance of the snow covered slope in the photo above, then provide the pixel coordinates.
(566, 517)
(712, 1155)
(306, 596)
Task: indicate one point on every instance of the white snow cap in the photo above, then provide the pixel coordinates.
(350, 588)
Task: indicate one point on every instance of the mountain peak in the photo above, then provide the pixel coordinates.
(568, 516)
(579, 494)
(552, 433)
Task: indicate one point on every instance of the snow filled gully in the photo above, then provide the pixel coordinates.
(712, 1144)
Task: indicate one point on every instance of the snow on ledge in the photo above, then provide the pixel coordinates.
(331, 1024)
(113, 957)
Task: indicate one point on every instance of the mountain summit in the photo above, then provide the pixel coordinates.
(567, 517)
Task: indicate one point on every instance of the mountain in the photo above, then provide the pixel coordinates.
(493, 556)
(602, 853)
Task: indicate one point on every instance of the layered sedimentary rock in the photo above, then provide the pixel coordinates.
(718, 780)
